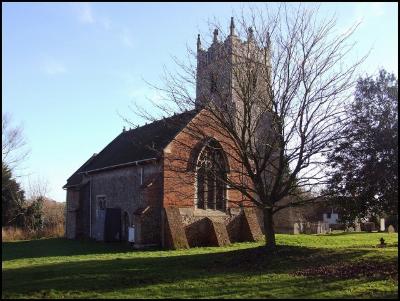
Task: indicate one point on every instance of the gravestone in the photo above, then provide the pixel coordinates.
(307, 228)
(296, 228)
(391, 229)
(369, 226)
(358, 227)
(322, 227)
(175, 232)
(382, 225)
(218, 236)
(251, 230)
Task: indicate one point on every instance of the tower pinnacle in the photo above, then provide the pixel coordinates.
(198, 42)
(215, 40)
(232, 27)
(251, 34)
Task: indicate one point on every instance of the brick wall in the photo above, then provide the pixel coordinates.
(179, 157)
(180, 182)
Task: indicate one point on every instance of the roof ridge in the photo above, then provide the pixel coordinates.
(139, 143)
(164, 119)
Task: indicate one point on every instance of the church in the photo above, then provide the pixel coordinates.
(151, 184)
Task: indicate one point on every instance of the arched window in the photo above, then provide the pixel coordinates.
(211, 172)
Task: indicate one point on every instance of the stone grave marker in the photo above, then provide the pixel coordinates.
(251, 229)
(218, 236)
(382, 225)
(175, 232)
(296, 228)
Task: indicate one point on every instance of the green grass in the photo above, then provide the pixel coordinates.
(58, 268)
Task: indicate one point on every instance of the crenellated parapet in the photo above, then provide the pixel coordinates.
(219, 67)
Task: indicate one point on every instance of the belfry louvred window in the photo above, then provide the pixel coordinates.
(213, 83)
(211, 177)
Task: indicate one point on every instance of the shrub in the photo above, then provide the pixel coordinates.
(15, 233)
(51, 217)
(53, 214)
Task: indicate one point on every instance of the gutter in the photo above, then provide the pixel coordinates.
(118, 165)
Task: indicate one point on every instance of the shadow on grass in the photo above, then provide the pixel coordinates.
(58, 247)
(355, 233)
(223, 273)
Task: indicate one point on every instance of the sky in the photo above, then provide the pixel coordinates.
(70, 70)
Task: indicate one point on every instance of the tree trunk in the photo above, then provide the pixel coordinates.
(269, 229)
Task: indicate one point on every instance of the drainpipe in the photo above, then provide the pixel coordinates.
(90, 207)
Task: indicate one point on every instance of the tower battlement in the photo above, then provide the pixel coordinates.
(218, 66)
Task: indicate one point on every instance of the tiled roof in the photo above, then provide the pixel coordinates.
(76, 177)
(144, 142)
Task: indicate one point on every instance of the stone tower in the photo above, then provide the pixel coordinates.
(225, 63)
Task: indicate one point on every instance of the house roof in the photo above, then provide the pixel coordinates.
(77, 176)
(138, 144)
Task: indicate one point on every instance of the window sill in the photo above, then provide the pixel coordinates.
(208, 212)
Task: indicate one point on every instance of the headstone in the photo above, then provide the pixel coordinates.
(175, 232)
(358, 227)
(382, 228)
(322, 227)
(251, 230)
(218, 236)
(369, 226)
(296, 228)
(391, 229)
(308, 229)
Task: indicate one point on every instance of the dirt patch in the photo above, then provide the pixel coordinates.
(368, 269)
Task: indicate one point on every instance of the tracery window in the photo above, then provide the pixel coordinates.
(211, 177)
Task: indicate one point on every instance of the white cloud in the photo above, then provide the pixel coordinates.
(53, 67)
(85, 12)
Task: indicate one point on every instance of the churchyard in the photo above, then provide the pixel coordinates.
(338, 265)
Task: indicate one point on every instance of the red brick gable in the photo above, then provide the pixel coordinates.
(178, 172)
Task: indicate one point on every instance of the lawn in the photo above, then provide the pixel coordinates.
(342, 265)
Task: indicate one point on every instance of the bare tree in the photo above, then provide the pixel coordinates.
(37, 188)
(14, 146)
(277, 100)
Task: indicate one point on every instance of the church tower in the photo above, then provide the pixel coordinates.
(227, 64)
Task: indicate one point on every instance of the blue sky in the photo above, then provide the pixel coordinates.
(69, 68)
